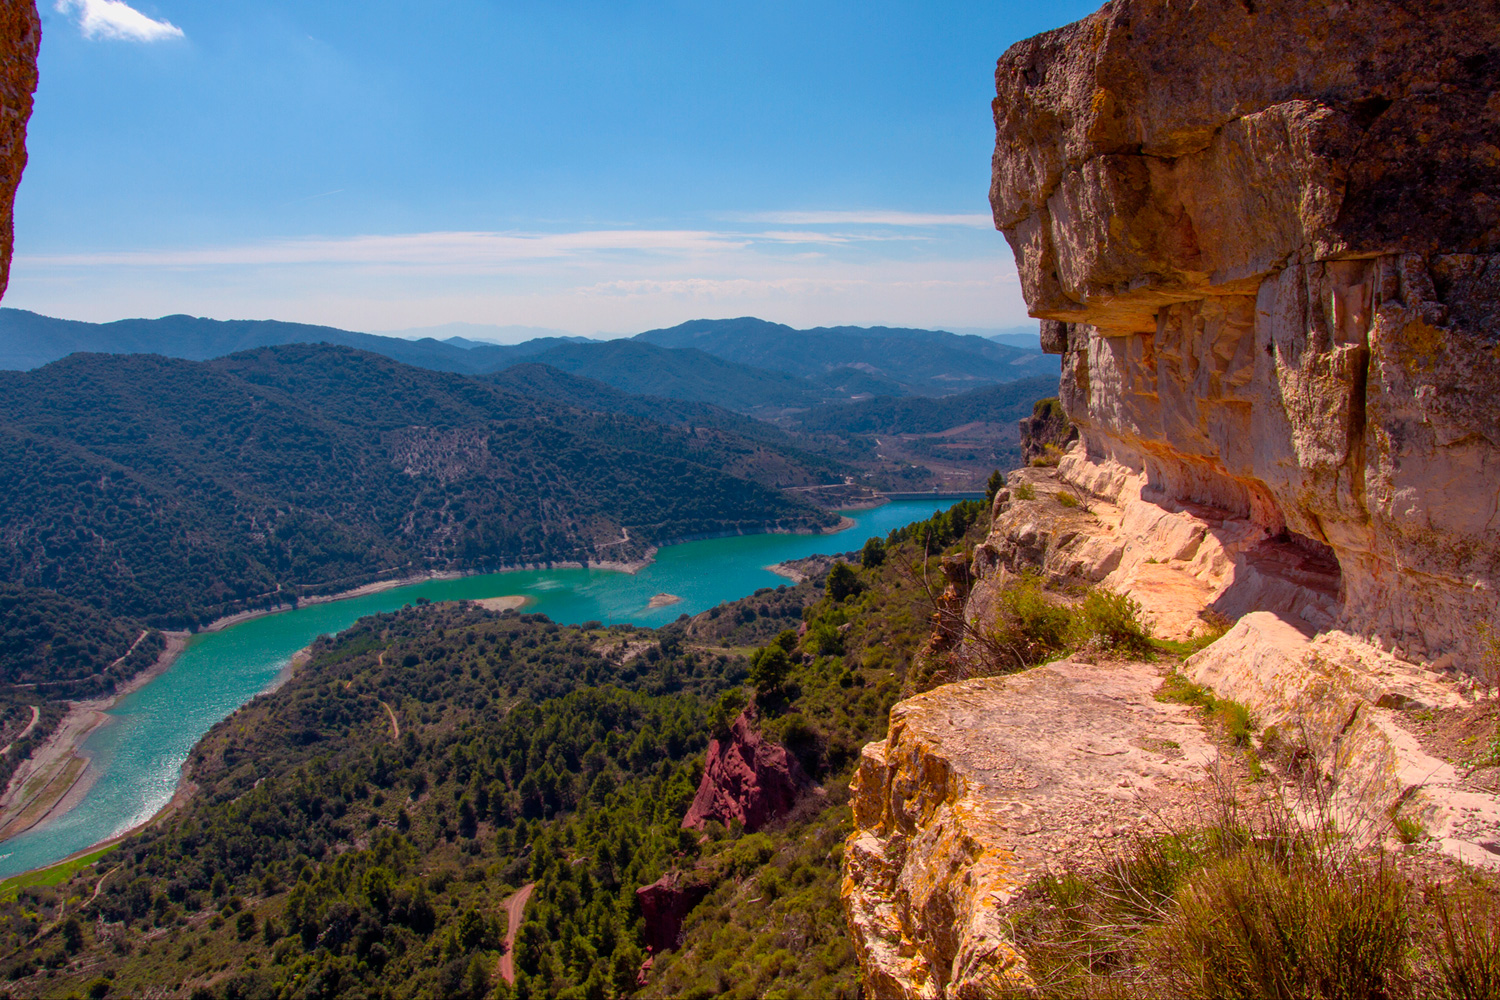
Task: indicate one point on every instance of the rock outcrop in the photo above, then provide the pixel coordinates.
(20, 38)
(1047, 425)
(985, 784)
(1266, 238)
(666, 903)
(747, 779)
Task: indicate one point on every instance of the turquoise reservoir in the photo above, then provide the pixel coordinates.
(137, 756)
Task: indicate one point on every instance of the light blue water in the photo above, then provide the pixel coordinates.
(138, 755)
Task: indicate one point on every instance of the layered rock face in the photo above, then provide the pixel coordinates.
(20, 37)
(745, 779)
(981, 786)
(1266, 237)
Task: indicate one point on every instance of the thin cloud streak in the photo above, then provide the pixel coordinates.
(118, 20)
(442, 248)
(876, 218)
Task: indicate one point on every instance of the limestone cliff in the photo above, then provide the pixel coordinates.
(1266, 239)
(20, 37)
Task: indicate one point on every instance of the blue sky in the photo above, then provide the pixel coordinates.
(579, 166)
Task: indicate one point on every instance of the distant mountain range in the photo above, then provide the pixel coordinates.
(746, 364)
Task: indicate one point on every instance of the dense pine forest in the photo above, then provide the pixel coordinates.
(356, 832)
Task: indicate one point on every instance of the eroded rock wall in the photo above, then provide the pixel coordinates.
(1266, 239)
(20, 37)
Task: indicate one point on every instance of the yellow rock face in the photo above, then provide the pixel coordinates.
(982, 785)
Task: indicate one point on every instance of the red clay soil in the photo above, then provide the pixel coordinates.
(515, 906)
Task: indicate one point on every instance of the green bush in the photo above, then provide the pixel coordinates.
(1029, 627)
(1024, 491)
(1253, 925)
(1111, 623)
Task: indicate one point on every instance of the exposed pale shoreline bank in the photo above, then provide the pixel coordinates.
(58, 772)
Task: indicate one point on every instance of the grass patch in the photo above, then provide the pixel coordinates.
(1234, 719)
(1024, 491)
(54, 875)
(1258, 909)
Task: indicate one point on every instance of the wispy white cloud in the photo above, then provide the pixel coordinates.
(116, 19)
(583, 281)
(441, 249)
(870, 218)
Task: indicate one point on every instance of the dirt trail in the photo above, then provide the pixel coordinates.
(515, 906)
(127, 652)
(395, 726)
(36, 716)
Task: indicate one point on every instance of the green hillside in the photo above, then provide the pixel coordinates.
(325, 855)
(67, 648)
(644, 369)
(870, 359)
(1005, 403)
(175, 491)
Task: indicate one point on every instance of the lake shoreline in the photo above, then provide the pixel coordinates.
(179, 641)
(65, 747)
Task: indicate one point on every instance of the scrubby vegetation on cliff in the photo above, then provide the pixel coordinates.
(1260, 905)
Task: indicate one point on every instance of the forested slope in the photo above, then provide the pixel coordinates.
(1004, 403)
(67, 648)
(326, 856)
(178, 491)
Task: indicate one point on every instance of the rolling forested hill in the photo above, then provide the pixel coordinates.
(748, 365)
(176, 491)
(66, 648)
(689, 374)
(1004, 404)
(359, 832)
(880, 360)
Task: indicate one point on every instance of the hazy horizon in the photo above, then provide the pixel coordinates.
(572, 167)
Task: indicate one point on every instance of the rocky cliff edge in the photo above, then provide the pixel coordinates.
(1265, 237)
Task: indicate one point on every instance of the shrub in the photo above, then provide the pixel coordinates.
(1051, 455)
(1031, 628)
(769, 668)
(1465, 950)
(1112, 623)
(1024, 491)
(1067, 500)
(995, 484)
(1257, 925)
(842, 583)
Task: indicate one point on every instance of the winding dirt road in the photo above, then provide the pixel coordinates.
(515, 906)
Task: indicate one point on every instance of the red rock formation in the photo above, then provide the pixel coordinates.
(20, 36)
(665, 904)
(747, 779)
